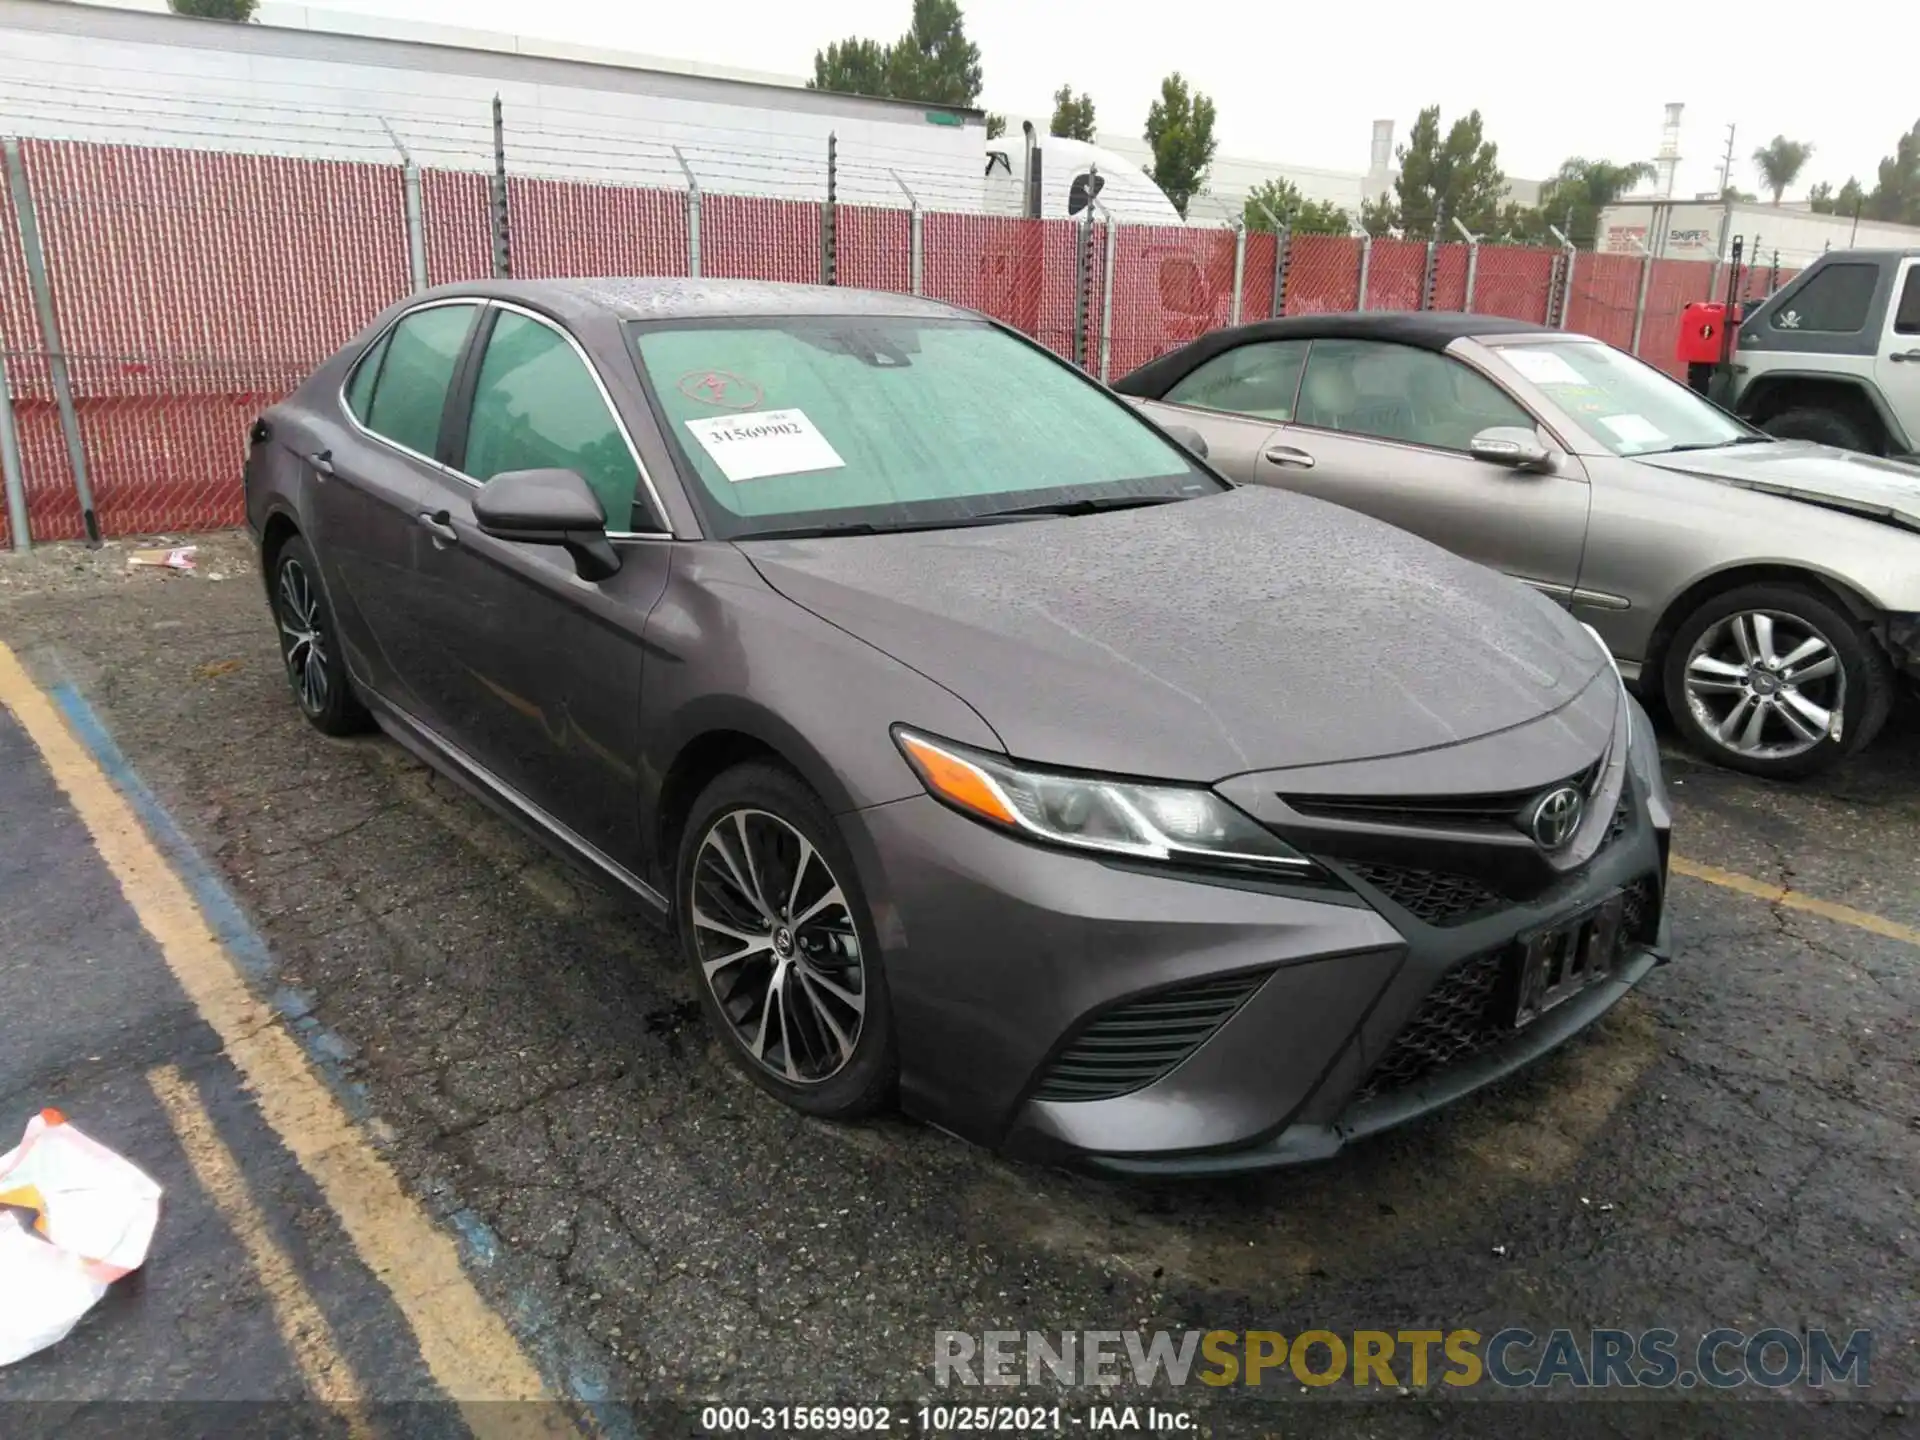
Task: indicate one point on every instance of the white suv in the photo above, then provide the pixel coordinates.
(1834, 355)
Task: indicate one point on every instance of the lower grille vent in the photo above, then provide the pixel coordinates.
(1134, 1044)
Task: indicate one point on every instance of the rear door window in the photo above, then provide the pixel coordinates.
(1255, 379)
(1834, 300)
(416, 371)
(537, 407)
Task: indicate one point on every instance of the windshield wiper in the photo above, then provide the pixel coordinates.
(1716, 444)
(1093, 506)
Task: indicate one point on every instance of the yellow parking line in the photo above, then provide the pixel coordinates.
(308, 1336)
(1795, 900)
(466, 1347)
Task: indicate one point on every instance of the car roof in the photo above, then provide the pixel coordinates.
(1427, 329)
(669, 298)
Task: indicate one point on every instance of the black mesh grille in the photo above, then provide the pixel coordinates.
(1134, 1044)
(1430, 895)
(1622, 817)
(1469, 1011)
(1463, 1015)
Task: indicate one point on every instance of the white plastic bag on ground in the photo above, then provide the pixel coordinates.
(96, 1214)
(47, 1291)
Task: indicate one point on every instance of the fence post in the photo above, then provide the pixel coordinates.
(1366, 264)
(1427, 274)
(414, 212)
(1473, 261)
(693, 216)
(1083, 278)
(1565, 277)
(915, 230)
(1640, 302)
(1239, 271)
(502, 242)
(50, 333)
(829, 216)
(1106, 303)
(10, 466)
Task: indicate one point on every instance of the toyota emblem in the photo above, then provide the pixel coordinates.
(1556, 817)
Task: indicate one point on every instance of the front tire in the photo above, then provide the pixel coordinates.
(1823, 427)
(1776, 680)
(310, 645)
(773, 922)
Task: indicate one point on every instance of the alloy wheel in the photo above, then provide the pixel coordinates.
(1766, 684)
(303, 640)
(777, 945)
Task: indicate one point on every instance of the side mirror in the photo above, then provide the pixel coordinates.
(1513, 446)
(548, 507)
(1189, 438)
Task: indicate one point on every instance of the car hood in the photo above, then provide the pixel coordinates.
(1819, 474)
(1248, 630)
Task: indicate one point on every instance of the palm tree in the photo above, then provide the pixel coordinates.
(1582, 188)
(1780, 162)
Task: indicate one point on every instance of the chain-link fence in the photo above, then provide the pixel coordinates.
(186, 289)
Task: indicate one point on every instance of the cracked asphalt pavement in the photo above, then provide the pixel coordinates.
(1738, 1144)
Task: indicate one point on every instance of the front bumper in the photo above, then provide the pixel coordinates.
(1003, 959)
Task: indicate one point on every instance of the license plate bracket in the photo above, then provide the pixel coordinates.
(1558, 961)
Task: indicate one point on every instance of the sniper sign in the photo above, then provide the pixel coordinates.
(770, 442)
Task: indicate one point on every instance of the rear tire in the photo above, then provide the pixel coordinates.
(772, 919)
(310, 644)
(1824, 427)
(1756, 678)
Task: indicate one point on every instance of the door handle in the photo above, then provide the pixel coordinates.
(322, 462)
(1905, 355)
(1287, 455)
(439, 525)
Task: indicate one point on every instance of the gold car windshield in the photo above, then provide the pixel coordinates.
(1628, 406)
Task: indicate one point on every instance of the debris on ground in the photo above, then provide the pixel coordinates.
(214, 669)
(180, 557)
(96, 1213)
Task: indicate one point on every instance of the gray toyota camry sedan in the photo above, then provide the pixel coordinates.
(985, 749)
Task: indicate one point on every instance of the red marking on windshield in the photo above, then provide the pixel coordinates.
(722, 388)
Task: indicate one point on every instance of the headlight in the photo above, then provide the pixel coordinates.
(1177, 824)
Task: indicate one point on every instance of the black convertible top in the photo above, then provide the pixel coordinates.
(1428, 329)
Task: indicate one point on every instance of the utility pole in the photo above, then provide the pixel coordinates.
(1726, 164)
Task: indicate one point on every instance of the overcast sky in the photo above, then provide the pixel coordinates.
(1302, 83)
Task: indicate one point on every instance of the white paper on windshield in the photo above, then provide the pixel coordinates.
(763, 443)
(1634, 430)
(1542, 367)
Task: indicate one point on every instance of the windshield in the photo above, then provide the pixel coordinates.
(1629, 407)
(858, 421)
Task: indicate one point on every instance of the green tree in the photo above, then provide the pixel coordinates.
(1072, 118)
(1779, 163)
(1282, 200)
(996, 125)
(852, 67)
(241, 10)
(1820, 198)
(1823, 199)
(1579, 190)
(1180, 130)
(933, 62)
(1458, 176)
(1896, 195)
